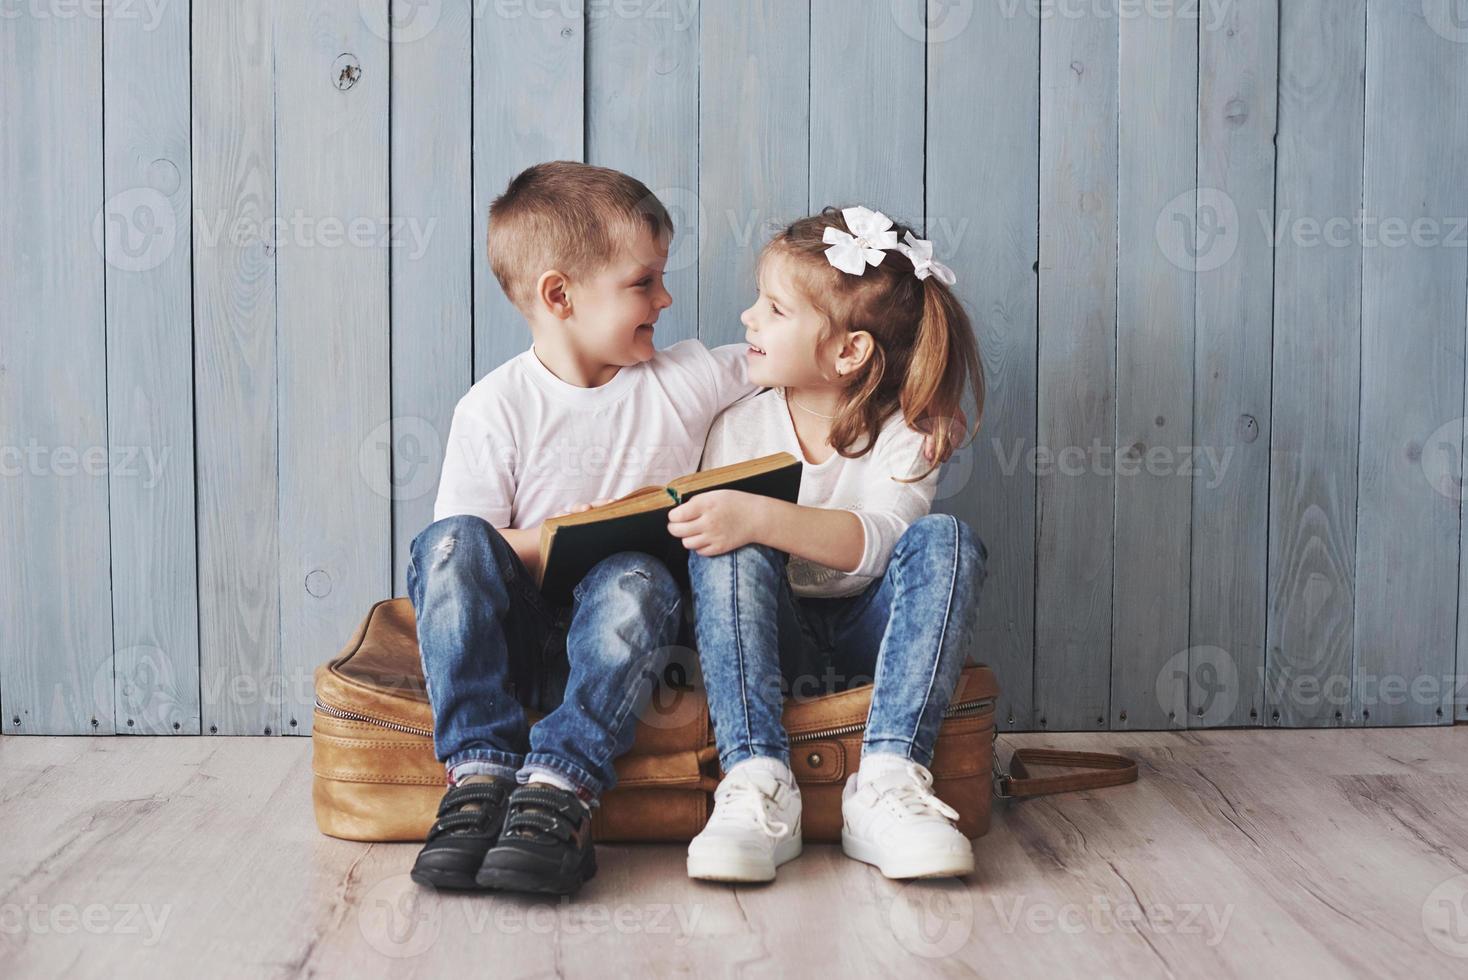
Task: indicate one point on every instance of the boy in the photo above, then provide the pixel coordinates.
(590, 411)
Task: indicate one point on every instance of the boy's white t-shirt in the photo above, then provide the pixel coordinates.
(869, 486)
(525, 445)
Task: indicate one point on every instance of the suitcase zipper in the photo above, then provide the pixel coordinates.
(327, 709)
(961, 710)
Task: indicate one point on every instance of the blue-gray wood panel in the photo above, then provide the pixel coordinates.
(754, 120)
(233, 90)
(1237, 71)
(332, 291)
(55, 589)
(1103, 184)
(434, 257)
(868, 64)
(1077, 367)
(150, 372)
(984, 112)
(1412, 344)
(1317, 365)
(1151, 452)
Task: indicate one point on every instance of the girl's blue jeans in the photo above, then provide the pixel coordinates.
(491, 646)
(907, 633)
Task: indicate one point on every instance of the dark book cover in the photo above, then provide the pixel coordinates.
(576, 548)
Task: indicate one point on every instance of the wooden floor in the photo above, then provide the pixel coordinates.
(1241, 853)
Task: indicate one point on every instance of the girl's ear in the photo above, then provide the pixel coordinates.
(552, 294)
(855, 351)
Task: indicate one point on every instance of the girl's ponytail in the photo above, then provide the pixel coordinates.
(944, 362)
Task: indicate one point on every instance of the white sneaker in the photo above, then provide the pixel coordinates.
(755, 826)
(894, 821)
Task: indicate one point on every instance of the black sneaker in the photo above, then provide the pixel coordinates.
(469, 822)
(545, 846)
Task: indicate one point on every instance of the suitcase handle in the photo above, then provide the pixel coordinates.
(1103, 769)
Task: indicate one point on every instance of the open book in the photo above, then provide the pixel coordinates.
(570, 545)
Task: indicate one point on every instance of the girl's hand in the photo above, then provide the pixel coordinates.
(718, 521)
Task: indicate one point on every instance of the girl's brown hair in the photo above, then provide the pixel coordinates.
(924, 354)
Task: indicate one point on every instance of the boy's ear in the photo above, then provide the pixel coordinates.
(855, 351)
(552, 293)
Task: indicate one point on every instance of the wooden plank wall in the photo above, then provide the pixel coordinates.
(1215, 256)
(975, 145)
(55, 560)
(435, 268)
(1317, 365)
(150, 376)
(1234, 316)
(1076, 371)
(235, 357)
(1412, 347)
(1157, 158)
(332, 331)
(754, 152)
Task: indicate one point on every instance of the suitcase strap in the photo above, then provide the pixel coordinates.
(1102, 769)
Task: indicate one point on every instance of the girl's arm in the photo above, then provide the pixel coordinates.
(858, 542)
(723, 520)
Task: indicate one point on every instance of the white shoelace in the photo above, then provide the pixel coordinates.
(914, 797)
(738, 796)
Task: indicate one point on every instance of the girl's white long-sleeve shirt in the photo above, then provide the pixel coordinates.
(869, 486)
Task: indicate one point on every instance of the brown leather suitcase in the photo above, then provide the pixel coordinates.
(376, 778)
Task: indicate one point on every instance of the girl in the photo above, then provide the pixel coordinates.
(857, 335)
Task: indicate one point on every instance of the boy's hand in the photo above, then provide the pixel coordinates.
(583, 508)
(960, 428)
(718, 521)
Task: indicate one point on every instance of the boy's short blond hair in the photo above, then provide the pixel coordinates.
(568, 216)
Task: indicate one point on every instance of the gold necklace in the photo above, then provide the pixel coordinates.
(810, 411)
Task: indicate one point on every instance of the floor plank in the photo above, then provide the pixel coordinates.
(1321, 853)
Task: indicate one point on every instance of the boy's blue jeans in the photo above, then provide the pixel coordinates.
(491, 646)
(908, 634)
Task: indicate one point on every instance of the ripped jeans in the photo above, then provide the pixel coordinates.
(492, 646)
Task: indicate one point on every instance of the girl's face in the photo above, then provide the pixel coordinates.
(783, 332)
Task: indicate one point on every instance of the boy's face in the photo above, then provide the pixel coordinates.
(614, 310)
(783, 331)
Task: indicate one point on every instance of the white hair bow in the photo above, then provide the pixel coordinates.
(870, 234)
(924, 265)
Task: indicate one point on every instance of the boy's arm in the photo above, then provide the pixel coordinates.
(731, 375)
(526, 542)
(478, 474)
